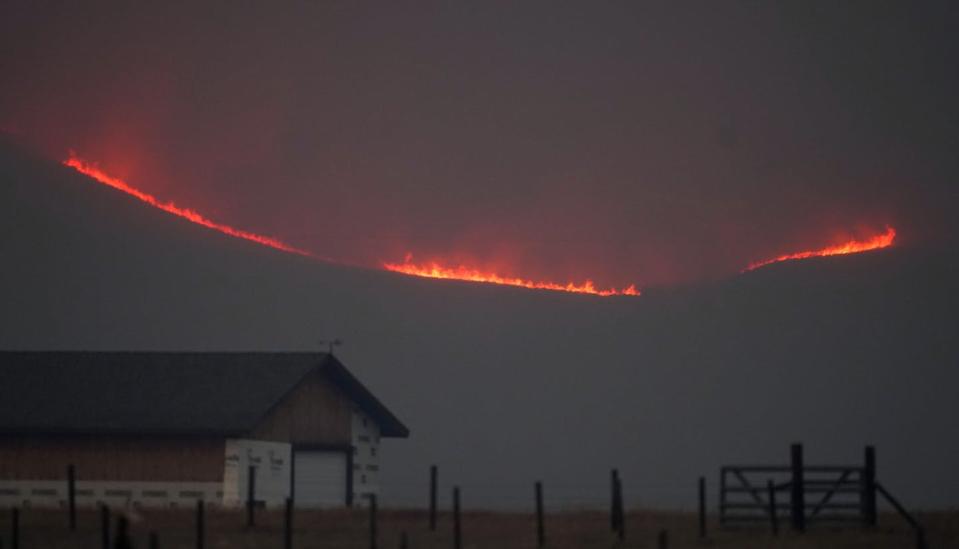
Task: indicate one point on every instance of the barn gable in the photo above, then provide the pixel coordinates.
(314, 413)
(168, 428)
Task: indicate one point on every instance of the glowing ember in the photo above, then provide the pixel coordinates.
(91, 170)
(852, 247)
(435, 270)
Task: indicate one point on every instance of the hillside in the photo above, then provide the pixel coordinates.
(500, 385)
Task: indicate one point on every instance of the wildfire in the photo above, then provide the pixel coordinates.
(93, 171)
(879, 241)
(435, 270)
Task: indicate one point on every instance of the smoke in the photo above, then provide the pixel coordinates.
(620, 144)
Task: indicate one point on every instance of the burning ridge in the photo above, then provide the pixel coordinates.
(435, 270)
(92, 170)
(876, 242)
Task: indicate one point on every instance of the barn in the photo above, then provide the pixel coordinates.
(169, 428)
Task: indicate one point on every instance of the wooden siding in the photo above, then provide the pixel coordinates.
(112, 458)
(315, 413)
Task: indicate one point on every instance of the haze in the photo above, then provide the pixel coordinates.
(646, 144)
(664, 146)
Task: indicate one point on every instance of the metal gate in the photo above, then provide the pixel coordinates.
(797, 492)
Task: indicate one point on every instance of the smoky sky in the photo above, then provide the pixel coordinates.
(631, 143)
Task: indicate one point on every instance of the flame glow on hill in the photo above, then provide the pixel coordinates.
(93, 171)
(876, 242)
(435, 270)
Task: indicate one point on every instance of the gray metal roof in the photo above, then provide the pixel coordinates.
(161, 393)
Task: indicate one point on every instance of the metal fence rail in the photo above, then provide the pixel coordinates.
(802, 493)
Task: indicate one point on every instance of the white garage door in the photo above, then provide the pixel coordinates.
(320, 479)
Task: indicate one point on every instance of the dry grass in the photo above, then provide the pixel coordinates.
(345, 529)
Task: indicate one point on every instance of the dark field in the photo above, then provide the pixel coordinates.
(344, 529)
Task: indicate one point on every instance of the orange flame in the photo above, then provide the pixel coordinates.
(435, 270)
(93, 171)
(852, 247)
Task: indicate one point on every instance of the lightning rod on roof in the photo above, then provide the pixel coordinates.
(331, 343)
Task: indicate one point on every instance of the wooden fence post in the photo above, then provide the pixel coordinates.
(798, 496)
(457, 527)
(868, 495)
(350, 476)
(293, 475)
(72, 496)
(288, 525)
(722, 496)
(540, 530)
(14, 528)
(250, 495)
(773, 517)
(662, 541)
(105, 526)
(373, 533)
(122, 539)
(200, 526)
(613, 511)
(702, 507)
(620, 510)
(433, 478)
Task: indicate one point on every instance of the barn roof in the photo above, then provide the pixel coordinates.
(174, 393)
